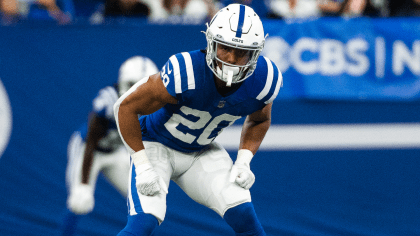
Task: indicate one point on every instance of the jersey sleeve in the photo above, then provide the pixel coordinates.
(103, 103)
(178, 74)
(270, 80)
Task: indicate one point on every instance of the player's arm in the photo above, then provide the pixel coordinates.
(81, 200)
(142, 99)
(97, 127)
(253, 131)
(145, 99)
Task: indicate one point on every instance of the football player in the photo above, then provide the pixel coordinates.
(97, 147)
(183, 108)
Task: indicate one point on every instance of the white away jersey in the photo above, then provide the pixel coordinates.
(202, 113)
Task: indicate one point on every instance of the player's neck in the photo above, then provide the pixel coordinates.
(222, 88)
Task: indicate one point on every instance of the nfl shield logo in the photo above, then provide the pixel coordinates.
(221, 104)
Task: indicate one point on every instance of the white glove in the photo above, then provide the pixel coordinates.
(148, 182)
(81, 200)
(241, 172)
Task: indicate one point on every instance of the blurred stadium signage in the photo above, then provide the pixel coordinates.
(331, 57)
(347, 58)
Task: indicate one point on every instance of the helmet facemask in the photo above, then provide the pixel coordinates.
(221, 32)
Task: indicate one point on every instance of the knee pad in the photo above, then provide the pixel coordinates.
(211, 178)
(244, 221)
(139, 225)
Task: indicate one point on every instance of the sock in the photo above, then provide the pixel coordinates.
(139, 225)
(69, 223)
(244, 221)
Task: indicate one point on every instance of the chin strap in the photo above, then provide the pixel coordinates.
(229, 78)
(227, 73)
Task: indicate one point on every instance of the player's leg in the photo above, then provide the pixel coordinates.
(117, 170)
(74, 157)
(75, 154)
(147, 212)
(139, 225)
(69, 226)
(243, 220)
(74, 168)
(207, 182)
(75, 150)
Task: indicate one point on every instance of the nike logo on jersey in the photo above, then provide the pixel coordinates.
(221, 104)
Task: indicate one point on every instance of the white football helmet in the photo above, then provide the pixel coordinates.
(133, 70)
(236, 26)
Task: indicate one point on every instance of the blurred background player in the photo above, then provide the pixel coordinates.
(97, 147)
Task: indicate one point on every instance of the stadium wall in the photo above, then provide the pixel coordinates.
(341, 158)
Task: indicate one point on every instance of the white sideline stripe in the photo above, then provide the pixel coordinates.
(331, 137)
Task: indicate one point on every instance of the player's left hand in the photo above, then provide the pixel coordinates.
(241, 172)
(242, 175)
(81, 200)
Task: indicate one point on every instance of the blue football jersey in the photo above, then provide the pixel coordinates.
(102, 106)
(201, 112)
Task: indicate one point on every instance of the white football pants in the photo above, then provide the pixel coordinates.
(114, 166)
(203, 175)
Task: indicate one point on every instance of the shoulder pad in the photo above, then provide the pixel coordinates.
(178, 74)
(269, 80)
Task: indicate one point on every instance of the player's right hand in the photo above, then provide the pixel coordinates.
(148, 182)
(81, 200)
